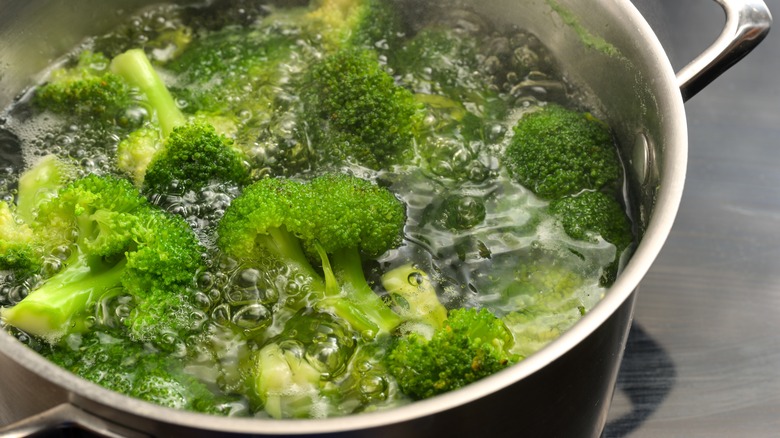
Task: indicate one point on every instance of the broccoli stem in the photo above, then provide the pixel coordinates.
(414, 296)
(288, 247)
(50, 311)
(361, 301)
(37, 183)
(134, 67)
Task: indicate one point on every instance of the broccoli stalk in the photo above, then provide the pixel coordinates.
(138, 71)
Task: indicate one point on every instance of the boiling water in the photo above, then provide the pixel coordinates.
(472, 265)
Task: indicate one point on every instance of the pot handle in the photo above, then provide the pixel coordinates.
(747, 23)
(66, 418)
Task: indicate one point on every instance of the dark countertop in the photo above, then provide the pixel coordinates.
(703, 357)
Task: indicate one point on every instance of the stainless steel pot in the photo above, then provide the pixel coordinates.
(562, 391)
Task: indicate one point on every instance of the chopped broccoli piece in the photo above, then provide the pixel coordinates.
(356, 23)
(354, 111)
(121, 244)
(336, 218)
(591, 214)
(87, 88)
(287, 376)
(557, 152)
(470, 345)
(22, 247)
(457, 212)
(194, 155)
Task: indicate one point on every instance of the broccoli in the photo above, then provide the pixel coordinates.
(354, 111)
(557, 152)
(469, 345)
(117, 243)
(288, 375)
(21, 247)
(243, 76)
(356, 24)
(116, 363)
(590, 215)
(336, 218)
(184, 155)
(87, 88)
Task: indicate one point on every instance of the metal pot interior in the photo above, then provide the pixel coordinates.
(605, 47)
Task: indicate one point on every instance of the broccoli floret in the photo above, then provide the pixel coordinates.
(118, 243)
(336, 218)
(557, 152)
(469, 345)
(590, 215)
(192, 154)
(354, 111)
(87, 88)
(130, 368)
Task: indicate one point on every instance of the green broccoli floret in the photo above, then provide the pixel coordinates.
(184, 155)
(87, 88)
(469, 345)
(354, 111)
(336, 218)
(557, 152)
(194, 155)
(130, 368)
(590, 215)
(118, 243)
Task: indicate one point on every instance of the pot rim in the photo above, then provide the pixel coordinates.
(659, 226)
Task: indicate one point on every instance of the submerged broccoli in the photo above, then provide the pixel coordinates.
(468, 346)
(110, 360)
(288, 376)
(557, 152)
(87, 88)
(356, 23)
(182, 155)
(451, 349)
(22, 248)
(116, 243)
(354, 111)
(338, 218)
(590, 215)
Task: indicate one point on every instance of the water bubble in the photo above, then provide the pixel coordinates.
(252, 317)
